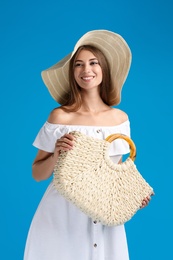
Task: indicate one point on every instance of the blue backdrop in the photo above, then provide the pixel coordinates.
(36, 34)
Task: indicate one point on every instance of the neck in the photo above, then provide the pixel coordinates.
(94, 105)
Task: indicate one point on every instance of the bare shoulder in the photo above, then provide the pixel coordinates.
(119, 115)
(58, 116)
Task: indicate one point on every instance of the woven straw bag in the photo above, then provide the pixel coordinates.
(108, 193)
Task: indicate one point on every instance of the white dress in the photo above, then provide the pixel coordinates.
(59, 230)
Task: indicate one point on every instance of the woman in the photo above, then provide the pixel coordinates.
(87, 83)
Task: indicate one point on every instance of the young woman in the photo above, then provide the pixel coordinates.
(87, 83)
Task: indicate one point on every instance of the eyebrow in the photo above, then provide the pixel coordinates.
(89, 60)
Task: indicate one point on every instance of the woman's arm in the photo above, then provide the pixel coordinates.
(43, 165)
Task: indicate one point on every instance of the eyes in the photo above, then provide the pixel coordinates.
(81, 64)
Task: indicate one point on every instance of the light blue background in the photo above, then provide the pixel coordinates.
(36, 34)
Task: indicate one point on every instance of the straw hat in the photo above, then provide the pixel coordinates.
(112, 45)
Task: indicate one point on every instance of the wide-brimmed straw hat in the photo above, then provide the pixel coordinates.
(114, 48)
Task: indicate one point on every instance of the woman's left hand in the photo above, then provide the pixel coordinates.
(145, 202)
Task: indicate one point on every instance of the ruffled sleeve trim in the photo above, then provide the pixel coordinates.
(47, 136)
(49, 133)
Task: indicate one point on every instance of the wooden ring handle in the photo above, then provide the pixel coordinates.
(132, 146)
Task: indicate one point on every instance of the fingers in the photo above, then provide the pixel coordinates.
(145, 201)
(65, 143)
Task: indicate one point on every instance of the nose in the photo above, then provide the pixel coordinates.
(86, 68)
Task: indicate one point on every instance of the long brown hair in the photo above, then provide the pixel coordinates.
(107, 92)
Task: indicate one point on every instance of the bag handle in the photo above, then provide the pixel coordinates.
(132, 146)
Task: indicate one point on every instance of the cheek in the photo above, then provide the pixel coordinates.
(76, 77)
(100, 74)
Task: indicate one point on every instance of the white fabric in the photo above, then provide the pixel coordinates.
(59, 230)
(49, 133)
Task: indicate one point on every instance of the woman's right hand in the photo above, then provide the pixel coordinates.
(44, 162)
(65, 143)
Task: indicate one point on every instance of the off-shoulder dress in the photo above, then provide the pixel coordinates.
(59, 230)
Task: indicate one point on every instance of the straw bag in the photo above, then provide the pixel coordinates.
(108, 193)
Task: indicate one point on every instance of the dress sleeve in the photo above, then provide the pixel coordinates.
(120, 146)
(47, 136)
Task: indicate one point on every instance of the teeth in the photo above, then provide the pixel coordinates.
(87, 78)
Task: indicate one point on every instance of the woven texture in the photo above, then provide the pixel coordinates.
(107, 192)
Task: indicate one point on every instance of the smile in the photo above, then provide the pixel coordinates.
(87, 78)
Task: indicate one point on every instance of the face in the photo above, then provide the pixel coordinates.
(87, 71)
